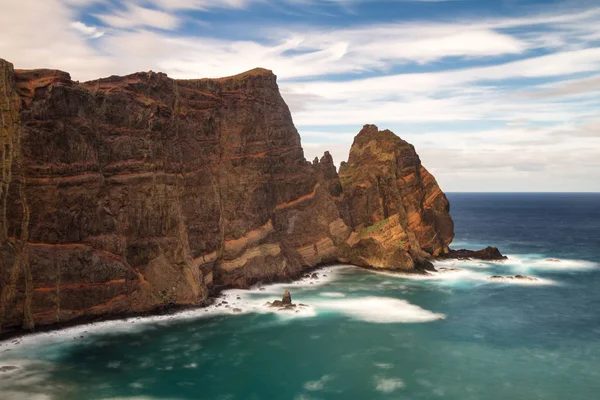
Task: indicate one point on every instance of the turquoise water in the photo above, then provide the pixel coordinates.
(365, 335)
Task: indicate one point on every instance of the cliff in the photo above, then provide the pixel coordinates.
(127, 194)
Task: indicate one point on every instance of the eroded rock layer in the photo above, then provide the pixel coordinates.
(130, 193)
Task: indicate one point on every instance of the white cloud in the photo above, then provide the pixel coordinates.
(89, 31)
(566, 88)
(306, 58)
(201, 4)
(136, 16)
(52, 43)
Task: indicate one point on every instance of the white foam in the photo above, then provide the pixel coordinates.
(451, 275)
(15, 395)
(318, 384)
(136, 398)
(455, 263)
(116, 326)
(515, 281)
(332, 294)
(29, 381)
(252, 302)
(246, 304)
(136, 385)
(388, 385)
(113, 364)
(534, 262)
(380, 310)
(325, 275)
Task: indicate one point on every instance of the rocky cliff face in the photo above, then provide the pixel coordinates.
(130, 193)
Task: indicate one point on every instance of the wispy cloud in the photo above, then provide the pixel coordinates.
(136, 16)
(89, 31)
(540, 69)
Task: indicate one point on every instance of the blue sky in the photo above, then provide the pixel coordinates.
(496, 95)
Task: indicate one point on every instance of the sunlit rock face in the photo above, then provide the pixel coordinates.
(392, 198)
(129, 194)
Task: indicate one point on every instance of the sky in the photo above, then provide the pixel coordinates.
(496, 95)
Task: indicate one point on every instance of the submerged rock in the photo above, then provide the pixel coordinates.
(509, 277)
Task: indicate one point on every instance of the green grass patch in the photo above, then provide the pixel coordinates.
(374, 227)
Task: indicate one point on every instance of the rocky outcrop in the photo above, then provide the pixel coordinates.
(128, 194)
(285, 303)
(489, 254)
(399, 213)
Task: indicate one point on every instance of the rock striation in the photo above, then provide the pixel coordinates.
(130, 194)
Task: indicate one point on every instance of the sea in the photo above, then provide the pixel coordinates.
(363, 334)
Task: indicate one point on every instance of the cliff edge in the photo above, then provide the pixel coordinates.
(128, 194)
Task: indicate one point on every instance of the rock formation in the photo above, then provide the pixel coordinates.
(128, 194)
(287, 298)
(489, 254)
(285, 303)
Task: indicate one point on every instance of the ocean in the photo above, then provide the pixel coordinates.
(363, 334)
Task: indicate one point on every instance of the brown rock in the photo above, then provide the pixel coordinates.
(130, 194)
(384, 178)
(287, 298)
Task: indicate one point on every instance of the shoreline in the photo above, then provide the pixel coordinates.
(214, 293)
(164, 310)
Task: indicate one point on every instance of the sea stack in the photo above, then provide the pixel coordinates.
(287, 298)
(130, 194)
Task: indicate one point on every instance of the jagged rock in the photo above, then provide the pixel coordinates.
(8, 368)
(284, 304)
(489, 253)
(287, 298)
(314, 275)
(142, 190)
(236, 310)
(424, 265)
